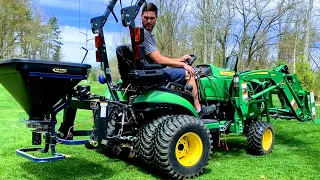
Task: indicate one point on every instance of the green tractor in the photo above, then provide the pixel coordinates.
(155, 120)
(145, 117)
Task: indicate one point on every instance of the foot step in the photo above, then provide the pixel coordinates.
(208, 121)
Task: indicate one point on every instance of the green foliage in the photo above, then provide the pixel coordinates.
(305, 75)
(91, 75)
(95, 72)
(280, 62)
(57, 56)
(24, 32)
(114, 70)
(55, 39)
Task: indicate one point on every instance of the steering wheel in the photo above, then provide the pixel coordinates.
(190, 61)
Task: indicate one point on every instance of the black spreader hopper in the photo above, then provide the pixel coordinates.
(37, 85)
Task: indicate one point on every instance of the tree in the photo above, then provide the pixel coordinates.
(26, 33)
(224, 29)
(15, 15)
(216, 14)
(55, 39)
(170, 31)
(307, 31)
(259, 20)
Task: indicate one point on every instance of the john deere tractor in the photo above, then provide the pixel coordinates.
(146, 117)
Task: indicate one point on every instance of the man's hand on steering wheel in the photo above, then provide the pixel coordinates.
(186, 66)
(190, 69)
(184, 58)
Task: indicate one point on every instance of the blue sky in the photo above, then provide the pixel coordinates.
(72, 23)
(67, 11)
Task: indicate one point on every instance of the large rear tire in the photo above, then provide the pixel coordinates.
(260, 138)
(182, 147)
(143, 145)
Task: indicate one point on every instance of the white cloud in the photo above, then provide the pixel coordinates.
(73, 41)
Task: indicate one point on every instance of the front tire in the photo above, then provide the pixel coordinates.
(260, 138)
(182, 147)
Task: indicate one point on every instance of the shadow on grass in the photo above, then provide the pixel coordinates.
(149, 170)
(231, 146)
(67, 169)
(136, 162)
(236, 148)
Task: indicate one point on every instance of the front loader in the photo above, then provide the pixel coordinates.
(145, 117)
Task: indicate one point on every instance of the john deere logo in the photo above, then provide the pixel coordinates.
(226, 73)
(58, 70)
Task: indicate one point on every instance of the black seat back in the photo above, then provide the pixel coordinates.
(125, 61)
(144, 74)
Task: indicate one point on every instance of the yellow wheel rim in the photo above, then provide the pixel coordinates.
(189, 149)
(267, 140)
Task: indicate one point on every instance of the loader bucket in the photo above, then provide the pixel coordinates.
(38, 85)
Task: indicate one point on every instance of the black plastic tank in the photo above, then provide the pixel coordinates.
(37, 85)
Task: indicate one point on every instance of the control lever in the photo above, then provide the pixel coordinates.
(115, 17)
(84, 55)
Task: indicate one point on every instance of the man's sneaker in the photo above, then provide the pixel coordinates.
(207, 110)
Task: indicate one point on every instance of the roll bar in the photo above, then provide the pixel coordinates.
(128, 15)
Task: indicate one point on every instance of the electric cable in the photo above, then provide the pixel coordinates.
(125, 91)
(218, 85)
(86, 122)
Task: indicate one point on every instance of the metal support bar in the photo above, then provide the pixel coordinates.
(279, 110)
(23, 153)
(51, 138)
(101, 125)
(97, 24)
(292, 92)
(263, 92)
(71, 142)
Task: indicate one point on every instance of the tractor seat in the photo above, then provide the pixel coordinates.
(144, 74)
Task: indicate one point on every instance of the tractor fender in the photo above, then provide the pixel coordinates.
(157, 100)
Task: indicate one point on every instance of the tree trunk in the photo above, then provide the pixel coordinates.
(217, 14)
(307, 33)
(205, 39)
(294, 52)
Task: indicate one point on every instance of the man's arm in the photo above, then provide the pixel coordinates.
(159, 59)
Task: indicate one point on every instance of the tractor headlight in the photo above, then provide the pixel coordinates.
(236, 81)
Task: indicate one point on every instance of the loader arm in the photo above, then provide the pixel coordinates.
(296, 103)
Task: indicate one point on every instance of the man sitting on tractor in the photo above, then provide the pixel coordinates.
(180, 72)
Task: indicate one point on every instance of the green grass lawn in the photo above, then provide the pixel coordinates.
(296, 153)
